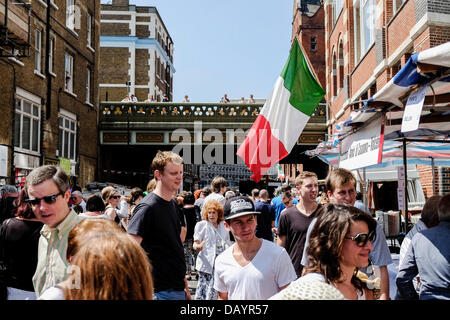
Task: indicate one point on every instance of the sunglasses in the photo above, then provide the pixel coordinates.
(362, 238)
(47, 199)
(114, 197)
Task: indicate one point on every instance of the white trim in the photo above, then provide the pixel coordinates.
(70, 93)
(68, 114)
(39, 74)
(112, 85)
(20, 63)
(28, 96)
(115, 21)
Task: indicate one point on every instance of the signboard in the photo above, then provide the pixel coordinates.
(3, 161)
(64, 163)
(363, 148)
(401, 194)
(413, 110)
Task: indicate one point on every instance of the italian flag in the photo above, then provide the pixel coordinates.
(283, 117)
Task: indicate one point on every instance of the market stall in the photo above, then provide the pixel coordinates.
(406, 123)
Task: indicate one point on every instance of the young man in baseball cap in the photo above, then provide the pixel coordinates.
(252, 268)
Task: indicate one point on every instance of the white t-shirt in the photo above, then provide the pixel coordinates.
(270, 269)
(214, 196)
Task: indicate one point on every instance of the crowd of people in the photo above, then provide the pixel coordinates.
(301, 244)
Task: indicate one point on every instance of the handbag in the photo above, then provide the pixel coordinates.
(225, 243)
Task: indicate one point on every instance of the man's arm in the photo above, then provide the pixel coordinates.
(406, 273)
(384, 290)
(281, 241)
(223, 296)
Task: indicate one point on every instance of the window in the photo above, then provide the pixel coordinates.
(69, 73)
(364, 13)
(396, 4)
(70, 14)
(50, 54)
(27, 125)
(341, 65)
(88, 85)
(89, 30)
(337, 7)
(38, 50)
(334, 75)
(368, 19)
(67, 135)
(313, 44)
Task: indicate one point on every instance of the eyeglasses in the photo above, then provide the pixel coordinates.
(286, 203)
(362, 238)
(47, 199)
(114, 197)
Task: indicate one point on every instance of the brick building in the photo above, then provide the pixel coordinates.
(136, 53)
(309, 28)
(49, 102)
(368, 41)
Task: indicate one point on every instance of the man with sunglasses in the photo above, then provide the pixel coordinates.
(77, 199)
(48, 195)
(341, 189)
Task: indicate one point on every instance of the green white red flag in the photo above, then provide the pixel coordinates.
(283, 117)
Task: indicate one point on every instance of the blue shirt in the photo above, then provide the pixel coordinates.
(429, 256)
(278, 205)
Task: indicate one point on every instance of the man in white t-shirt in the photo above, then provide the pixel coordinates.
(252, 268)
(218, 187)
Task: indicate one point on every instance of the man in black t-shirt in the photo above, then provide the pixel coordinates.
(294, 221)
(156, 226)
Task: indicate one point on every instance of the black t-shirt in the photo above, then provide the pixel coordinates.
(190, 215)
(157, 222)
(265, 218)
(20, 240)
(293, 224)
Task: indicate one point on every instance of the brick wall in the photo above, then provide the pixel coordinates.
(118, 29)
(75, 43)
(114, 65)
(398, 29)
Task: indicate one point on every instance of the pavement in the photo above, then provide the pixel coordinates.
(192, 284)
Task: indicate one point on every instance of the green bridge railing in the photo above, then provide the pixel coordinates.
(186, 112)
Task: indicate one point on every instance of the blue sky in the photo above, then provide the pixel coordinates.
(236, 47)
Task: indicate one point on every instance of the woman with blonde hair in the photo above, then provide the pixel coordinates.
(210, 239)
(112, 198)
(106, 264)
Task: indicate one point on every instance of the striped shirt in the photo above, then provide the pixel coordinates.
(52, 262)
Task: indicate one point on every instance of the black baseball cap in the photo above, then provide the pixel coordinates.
(238, 206)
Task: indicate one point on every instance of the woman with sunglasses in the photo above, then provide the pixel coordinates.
(340, 243)
(112, 198)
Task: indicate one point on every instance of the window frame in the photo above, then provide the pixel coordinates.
(38, 50)
(66, 116)
(88, 85)
(68, 86)
(70, 14)
(18, 130)
(89, 19)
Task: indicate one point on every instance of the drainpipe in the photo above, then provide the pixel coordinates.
(47, 63)
(13, 121)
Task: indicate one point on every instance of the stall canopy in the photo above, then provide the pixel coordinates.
(429, 144)
(430, 68)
